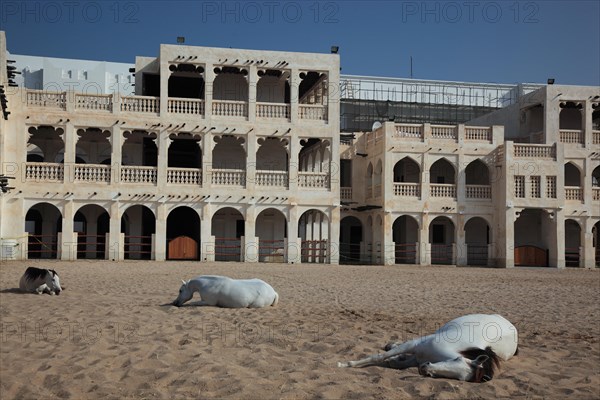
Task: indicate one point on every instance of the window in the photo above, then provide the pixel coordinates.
(520, 186)
(535, 187)
(551, 187)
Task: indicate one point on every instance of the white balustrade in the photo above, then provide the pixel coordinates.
(185, 106)
(443, 190)
(595, 193)
(228, 108)
(346, 193)
(228, 177)
(369, 192)
(313, 180)
(95, 102)
(444, 132)
(142, 104)
(478, 191)
(44, 172)
(273, 110)
(91, 173)
(184, 176)
(571, 136)
(595, 137)
(409, 131)
(41, 98)
(272, 178)
(138, 174)
(479, 134)
(313, 111)
(573, 193)
(534, 151)
(404, 189)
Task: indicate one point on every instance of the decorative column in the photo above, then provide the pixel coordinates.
(251, 147)
(252, 87)
(589, 256)
(159, 250)
(163, 143)
(207, 156)
(114, 244)
(557, 249)
(68, 236)
(424, 246)
(389, 250)
(116, 154)
(461, 246)
(334, 235)
(209, 76)
(293, 242)
(294, 94)
(70, 151)
(250, 251)
(207, 242)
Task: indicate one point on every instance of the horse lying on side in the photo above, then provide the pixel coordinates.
(222, 291)
(37, 280)
(468, 348)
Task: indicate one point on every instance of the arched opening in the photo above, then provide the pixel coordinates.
(186, 81)
(596, 117)
(139, 149)
(228, 227)
(183, 234)
(477, 240)
(273, 86)
(230, 86)
(405, 232)
(138, 225)
(532, 123)
(441, 239)
(91, 223)
(271, 230)
(596, 182)
(313, 231)
(442, 172)
(45, 144)
(533, 229)
(43, 222)
(351, 236)
(184, 151)
(313, 95)
(272, 162)
(596, 241)
(570, 116)
(477, 173)
(407, 170)
(572, 175)
(314, 159)
(93, 145)
(572, 243)
(229, 161)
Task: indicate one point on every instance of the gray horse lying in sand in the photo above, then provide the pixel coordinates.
(37, 280)
(468, 348)
(221, 291)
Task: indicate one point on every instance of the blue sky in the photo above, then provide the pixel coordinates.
(479, 40)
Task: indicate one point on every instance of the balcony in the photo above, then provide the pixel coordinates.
(140, 104)
(410, 131)
(478, 134)
(571, 136)
(185, 106)
(478, 192)
(407, 189)
(313, 180)
(94, 102)
(96, 173)
(41, 98)
(596, 194)
(443, 190)
(139, 175)
(534, 151)
(44, 172)
(595, 137)
(273, 110)
(184, 176)
(228, 177)
(316, 112)
(447, 132)
(275, 179)
(573, 193)
(228, 108)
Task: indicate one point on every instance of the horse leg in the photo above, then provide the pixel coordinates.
(375, 359)
(402, 362)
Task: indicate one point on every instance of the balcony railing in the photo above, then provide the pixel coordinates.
(184, 176)
(479, 134)
(574, 193)
(534, 151)
(44, 172)
(313, 111)
(443, 190)
(185, 106)
(596, 193)
(313, 180)
(478, 191)
(346, 193)
(571, 136)
(94, 102)
(91, 173)
(42, 98)
(369, 192)
(272, 178)
(404, 189)
(228, 177)
(595, 137)
(228, 108)
(414, 131)
(444, 132)
(143, 104)
(273, 110)
(138, 174)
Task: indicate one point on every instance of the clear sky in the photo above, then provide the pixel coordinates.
(479, 40)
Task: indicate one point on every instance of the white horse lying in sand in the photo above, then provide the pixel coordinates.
(37, 280)
(222, 291)
(468, 348)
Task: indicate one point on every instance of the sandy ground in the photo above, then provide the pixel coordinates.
(112, 334)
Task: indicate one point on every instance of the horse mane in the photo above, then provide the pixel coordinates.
(33, 273)
(487, 370)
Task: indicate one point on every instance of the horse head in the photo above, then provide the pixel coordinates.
(53, 282)
(185, 294)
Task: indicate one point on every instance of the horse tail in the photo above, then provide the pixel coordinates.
(276, 300)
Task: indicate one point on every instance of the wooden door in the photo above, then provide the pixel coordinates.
(531, 256)
(183, 248)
